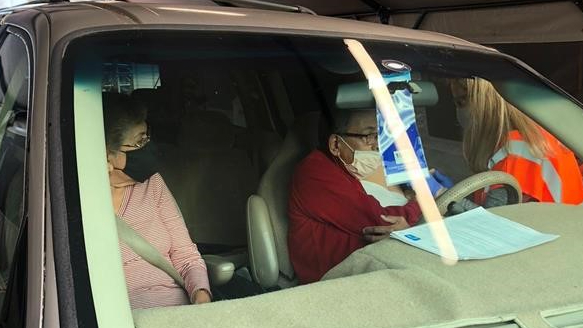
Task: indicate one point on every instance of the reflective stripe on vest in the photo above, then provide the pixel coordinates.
(550, 175)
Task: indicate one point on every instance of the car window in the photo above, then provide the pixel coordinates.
(548, 59)
(233, 115)
(14, 82)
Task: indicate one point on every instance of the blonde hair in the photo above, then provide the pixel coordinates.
(491, 118)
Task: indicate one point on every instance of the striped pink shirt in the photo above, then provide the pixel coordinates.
(151, 211)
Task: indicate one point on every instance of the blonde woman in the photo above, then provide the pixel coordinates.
(497, 136)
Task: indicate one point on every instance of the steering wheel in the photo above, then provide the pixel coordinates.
(477, 182)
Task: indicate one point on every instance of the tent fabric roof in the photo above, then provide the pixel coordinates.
(526, 21)
(348, 7)
(535, 23)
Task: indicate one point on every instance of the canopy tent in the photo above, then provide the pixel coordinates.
(481, 21)
(546, 34)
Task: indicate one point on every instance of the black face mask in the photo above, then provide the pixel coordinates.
(141, 163)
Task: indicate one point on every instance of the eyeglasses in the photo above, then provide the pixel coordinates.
(142, 142)
(369, 139)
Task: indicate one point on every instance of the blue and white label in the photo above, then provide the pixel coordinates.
(412, 237)
(394, 160)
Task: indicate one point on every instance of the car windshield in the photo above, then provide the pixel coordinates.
(285, 154)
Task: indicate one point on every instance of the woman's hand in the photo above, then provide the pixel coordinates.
(201, 296)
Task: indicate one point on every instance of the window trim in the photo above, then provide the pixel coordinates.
(84, 287)
(76, 306)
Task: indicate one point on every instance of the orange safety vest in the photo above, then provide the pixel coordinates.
(554, 178)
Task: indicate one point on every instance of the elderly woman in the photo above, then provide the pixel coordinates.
(142, 200)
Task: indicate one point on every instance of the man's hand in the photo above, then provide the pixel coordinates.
(201, 296)
(434, 186)
(443, 179)
(376, 233)
(397, 222)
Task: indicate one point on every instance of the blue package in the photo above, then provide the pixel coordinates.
(394, 160)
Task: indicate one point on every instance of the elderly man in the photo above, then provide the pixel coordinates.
(331, 214)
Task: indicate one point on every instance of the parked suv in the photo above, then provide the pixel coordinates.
(234, 98)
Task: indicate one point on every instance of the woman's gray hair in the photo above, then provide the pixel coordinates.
(120, 114)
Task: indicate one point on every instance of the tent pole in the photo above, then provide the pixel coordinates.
(382, 11)
(420, 20)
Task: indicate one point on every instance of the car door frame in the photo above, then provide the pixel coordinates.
(33, 216)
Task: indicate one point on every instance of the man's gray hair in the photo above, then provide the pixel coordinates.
(335, 122)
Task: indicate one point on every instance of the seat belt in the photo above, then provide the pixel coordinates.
(145, 250)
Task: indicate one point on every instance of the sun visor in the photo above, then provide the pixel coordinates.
(358, 96)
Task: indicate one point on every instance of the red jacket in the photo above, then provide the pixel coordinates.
(328, 208)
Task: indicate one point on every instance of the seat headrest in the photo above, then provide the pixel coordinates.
(152, 99)
(18, 127)
(205, 129)
(145, 95)
(305, 129)
(358, 95)
(12, 73)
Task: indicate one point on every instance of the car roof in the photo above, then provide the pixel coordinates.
(66, 18)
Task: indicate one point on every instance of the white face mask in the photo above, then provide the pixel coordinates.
(365, 162)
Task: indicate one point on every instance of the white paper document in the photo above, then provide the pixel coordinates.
(476, 234)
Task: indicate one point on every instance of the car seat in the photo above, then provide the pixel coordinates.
(267, 219)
